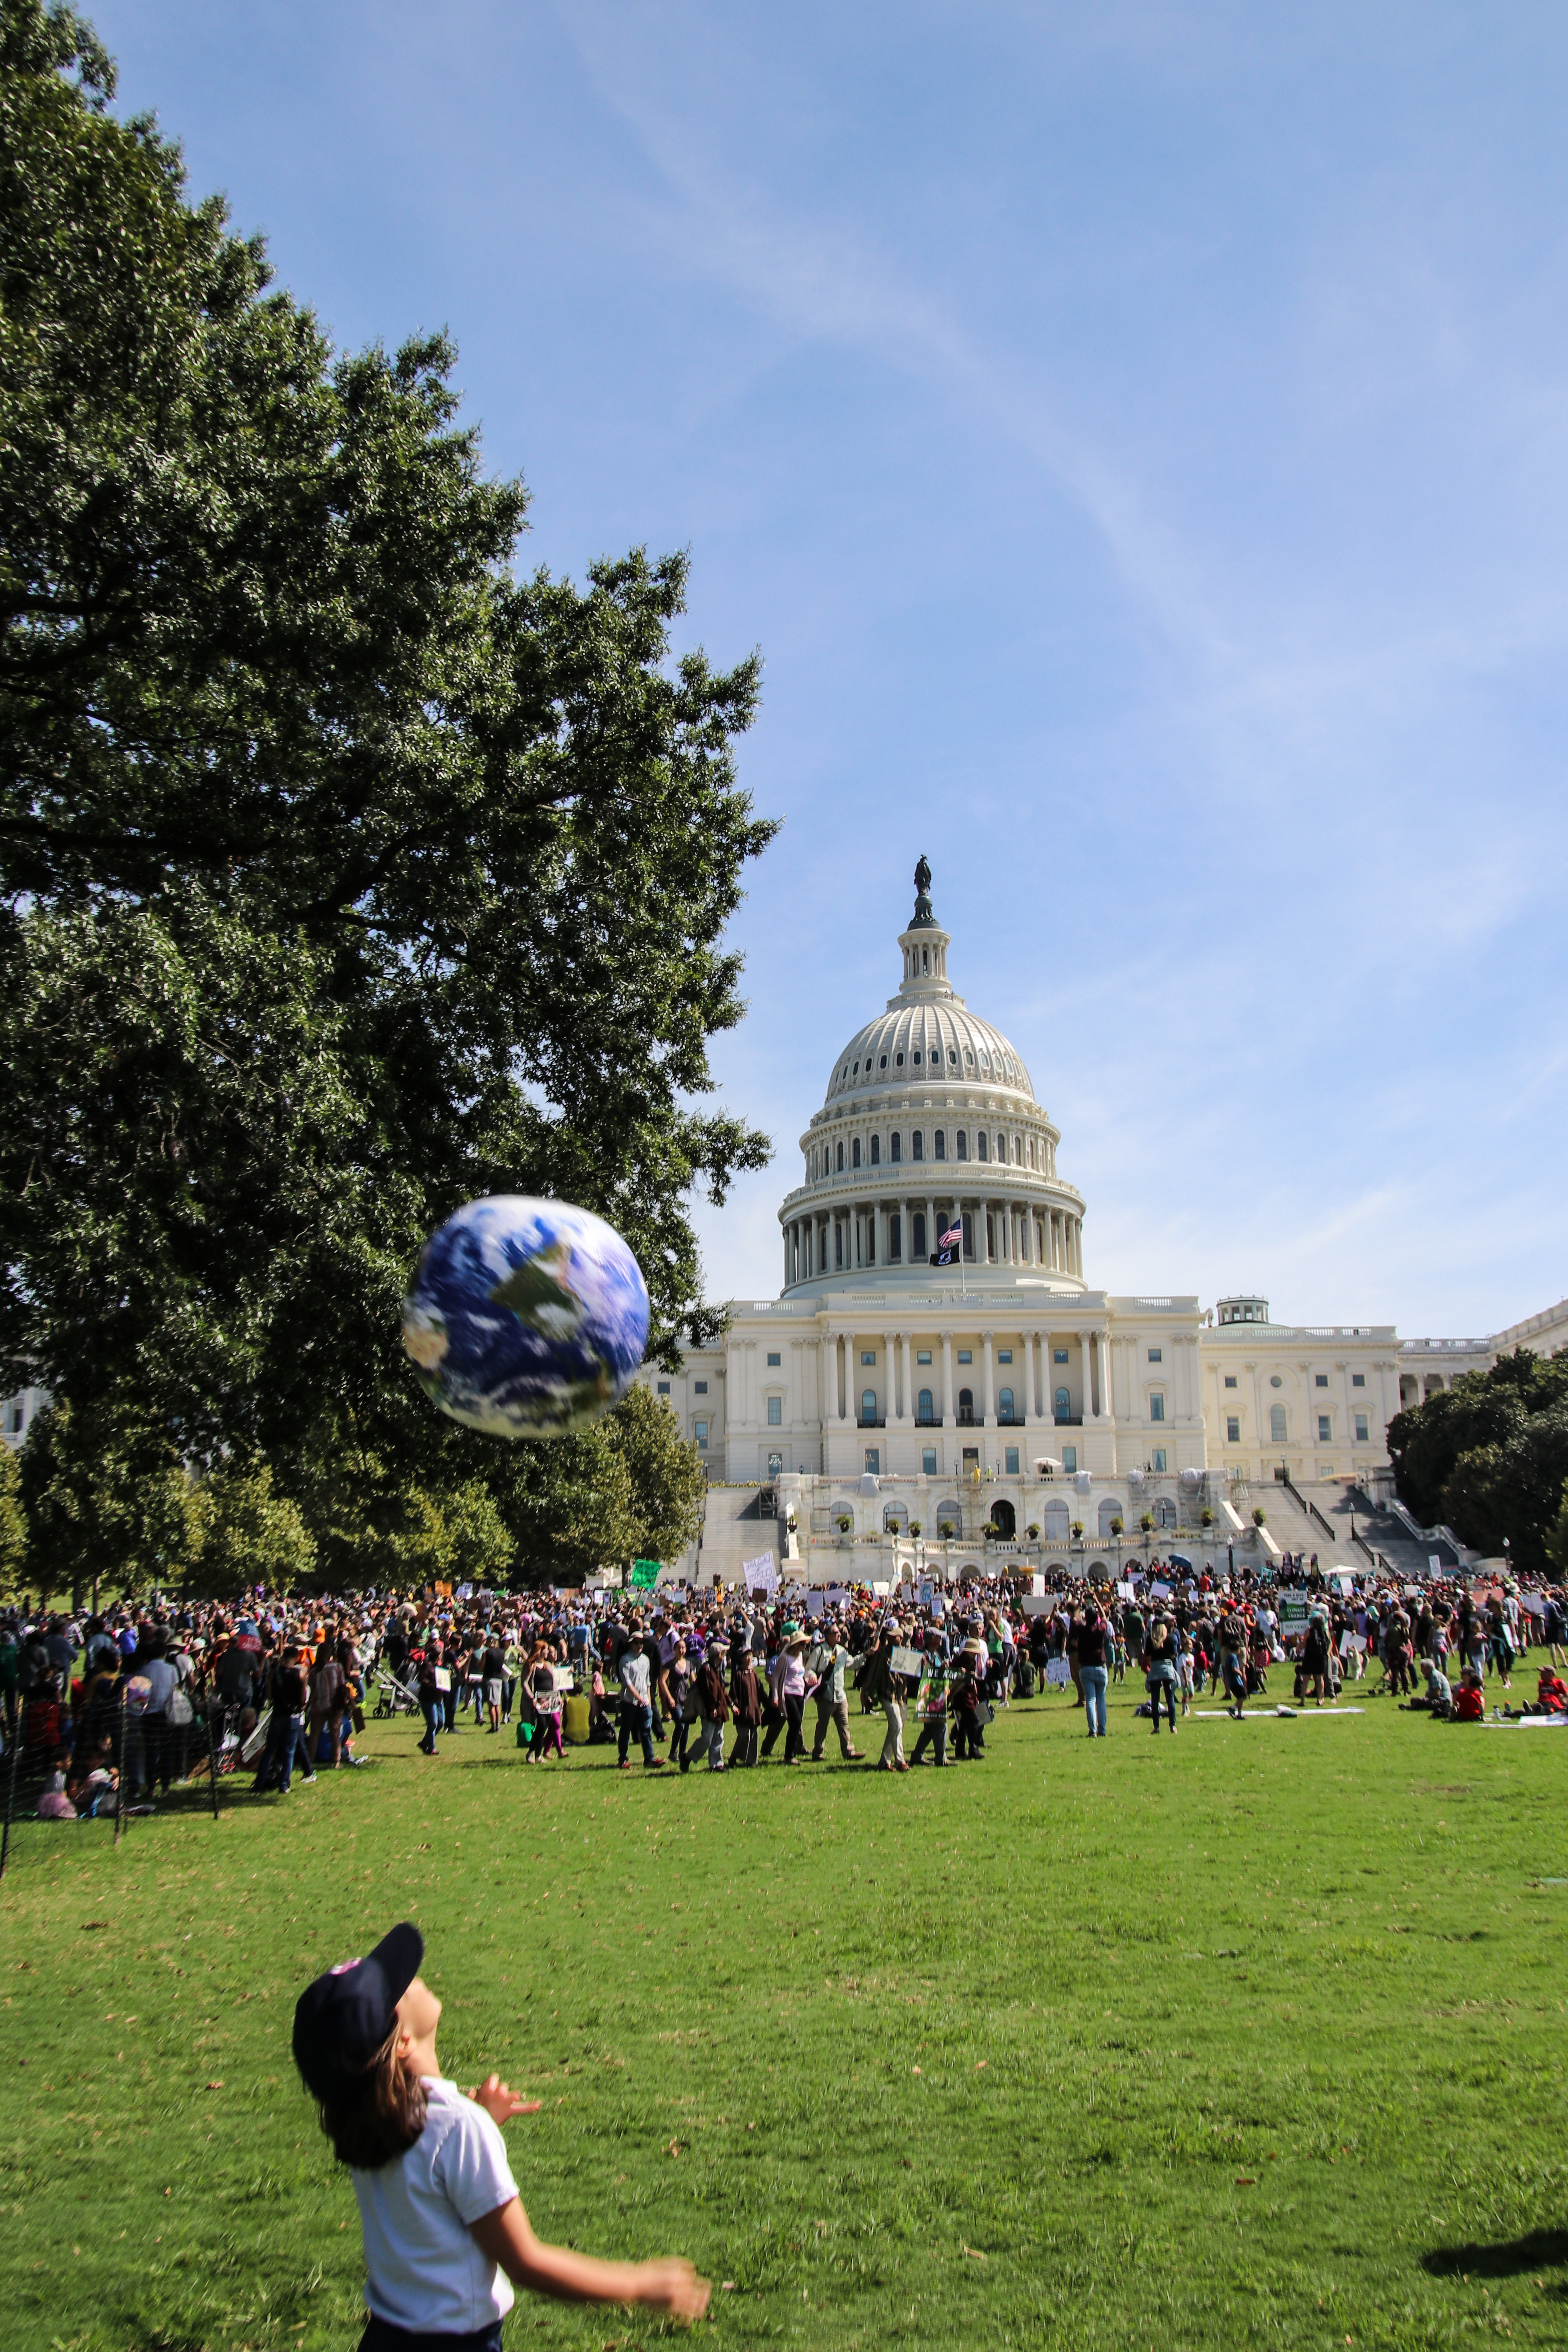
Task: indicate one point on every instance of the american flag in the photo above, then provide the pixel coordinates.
(952, 1239)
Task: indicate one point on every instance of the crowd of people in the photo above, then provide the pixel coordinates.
(108, 1712)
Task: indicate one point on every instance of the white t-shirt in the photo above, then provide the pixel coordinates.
(423, 2268)
(634, 1680)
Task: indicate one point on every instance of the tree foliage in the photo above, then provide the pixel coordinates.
(1489, 1456)
(13, 1523)
(107, 1498)
(249, 1534)
(349, 874)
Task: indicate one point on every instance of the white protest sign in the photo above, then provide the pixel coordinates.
(1160, 1590)
(815, 1602)
(837, 1596)
(906, 1662)
(1124, 1587)
(760, 1575)
(1434, 1563)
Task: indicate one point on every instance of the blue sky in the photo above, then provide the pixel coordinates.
(1136, 438)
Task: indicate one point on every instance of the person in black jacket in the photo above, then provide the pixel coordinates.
(286, 1739)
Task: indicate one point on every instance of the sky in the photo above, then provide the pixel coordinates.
(1136, 439)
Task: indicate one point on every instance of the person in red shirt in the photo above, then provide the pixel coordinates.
(1470, 1699)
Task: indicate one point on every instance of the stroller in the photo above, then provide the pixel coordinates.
(394, 1697)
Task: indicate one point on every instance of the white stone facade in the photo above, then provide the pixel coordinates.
(1005, 1378)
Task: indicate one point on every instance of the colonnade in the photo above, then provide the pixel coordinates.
(860, 1235)
(898, 1379)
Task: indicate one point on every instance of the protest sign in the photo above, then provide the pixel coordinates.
(907, 1662)
(644, 1574)
(1123, 1587)
(1056, 1672)
(1294, 1611)
(760, 1575)
(837, 1596)
(814, 1603)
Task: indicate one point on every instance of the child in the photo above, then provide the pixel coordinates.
(438, 2207)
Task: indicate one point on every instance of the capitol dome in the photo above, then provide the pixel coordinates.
(930, 1124)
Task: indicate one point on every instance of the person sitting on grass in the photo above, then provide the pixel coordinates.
(1551, 1696)
(445, 2232)
(1439, 1700)
(1470, 1699)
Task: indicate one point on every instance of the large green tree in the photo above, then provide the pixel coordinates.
(349, 873)
(1489, 1456)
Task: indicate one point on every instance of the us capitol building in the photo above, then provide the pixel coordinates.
(1002, 1391)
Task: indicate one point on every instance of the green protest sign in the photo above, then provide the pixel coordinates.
(644, 1574)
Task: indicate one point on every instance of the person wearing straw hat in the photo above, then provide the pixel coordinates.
(445, 2236)
(789, 1691)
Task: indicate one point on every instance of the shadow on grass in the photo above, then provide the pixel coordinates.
(1540, 2249)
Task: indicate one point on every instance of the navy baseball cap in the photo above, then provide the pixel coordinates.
(342, 2019)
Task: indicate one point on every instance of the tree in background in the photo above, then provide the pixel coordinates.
(248, 1534)
(349, 874)
(107, 1500)
(13, 1523)
(668, 1481)
(1489, 1456)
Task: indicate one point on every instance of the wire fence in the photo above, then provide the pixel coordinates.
(109, 1759)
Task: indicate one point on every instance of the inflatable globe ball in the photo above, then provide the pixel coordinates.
(526, 1318)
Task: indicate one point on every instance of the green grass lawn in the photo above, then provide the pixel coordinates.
(1251, 2037)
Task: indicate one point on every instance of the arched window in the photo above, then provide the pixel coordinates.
(867, 1404)
(1277, 1423)
(979, 1142)
(918, 1237)
(968, 1234)
(1056, 1523)
(1109, 1508)
(1063, 1406)
(925, 959)
(854, 1153)
(964, 1143)
(939, 1144)
(917, 1145)
(895, 1239)
(896, 1149)
(1005, 1404)
(922, 1409)
(1001, 1148)
(841, 1159)
(966, 1408)
(876, 1151)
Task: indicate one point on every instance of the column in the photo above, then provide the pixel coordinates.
(989, 1393)
(851, 1400)
(930, 1224)
(947, 1379)
(908, 1413)
(891, 1412)
(1039, 1354)
(1107, 1378)
(1084, 1354)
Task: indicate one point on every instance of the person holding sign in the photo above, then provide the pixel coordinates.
(830, 1661)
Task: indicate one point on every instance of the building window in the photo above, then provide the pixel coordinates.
(980, 1145)
(966, 1408)
(1277, 1424)
(923, 1408)
(1003, 1355)
(939, 1144)
(876, 1151)
(1001, 1148)
(883, 1062)
(664, 1388)
(874, 1461)
(1358, 1379)
(868, 1355)
(1319, 1379)
(854, 1153)
(1010, 1461)
(1070, 1457)
(841, 1159)
(1325, 1427)
(774, 1362)
(898, 1061)
(1156, 1407)
(775, 1412)
(968, 1226)
(964, 1143)
(1157, 1464)
(700, 1431)
(1156, 1356)
(699, 1388)
(922, 1355)
(1230, 1379)
(775, 1464)
(1063, 1406)
(1275, 1381)
(895, 1147)
(928, 1461)
(1059, 1355)
(1005, 1405)
(1360, 1429)
(838, 1238)
(966, 1355)
(918, 1243)
(1233, 1428)
(867, 1404)
(895, 1239)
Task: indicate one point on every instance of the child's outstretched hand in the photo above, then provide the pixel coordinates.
(499, 2102)
(674, 2286)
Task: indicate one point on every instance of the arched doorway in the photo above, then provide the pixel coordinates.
(966, 1408)
(1003, 1517)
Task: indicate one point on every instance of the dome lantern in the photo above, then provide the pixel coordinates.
(925, 945)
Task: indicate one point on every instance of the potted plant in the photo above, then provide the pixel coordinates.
(1034, 1531)
(1207, 1516)
(1118, 1525)
(992, 1531)
(946, 1530)
(1147, 1522)
(1077, 1531)
(915, 1527)
(1259, 1515)
(845, 1523)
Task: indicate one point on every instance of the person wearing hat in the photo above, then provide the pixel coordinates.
(788, 1681)
(885, 1689)
(445, 2237)
(745, 1699)
(831, 1663)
